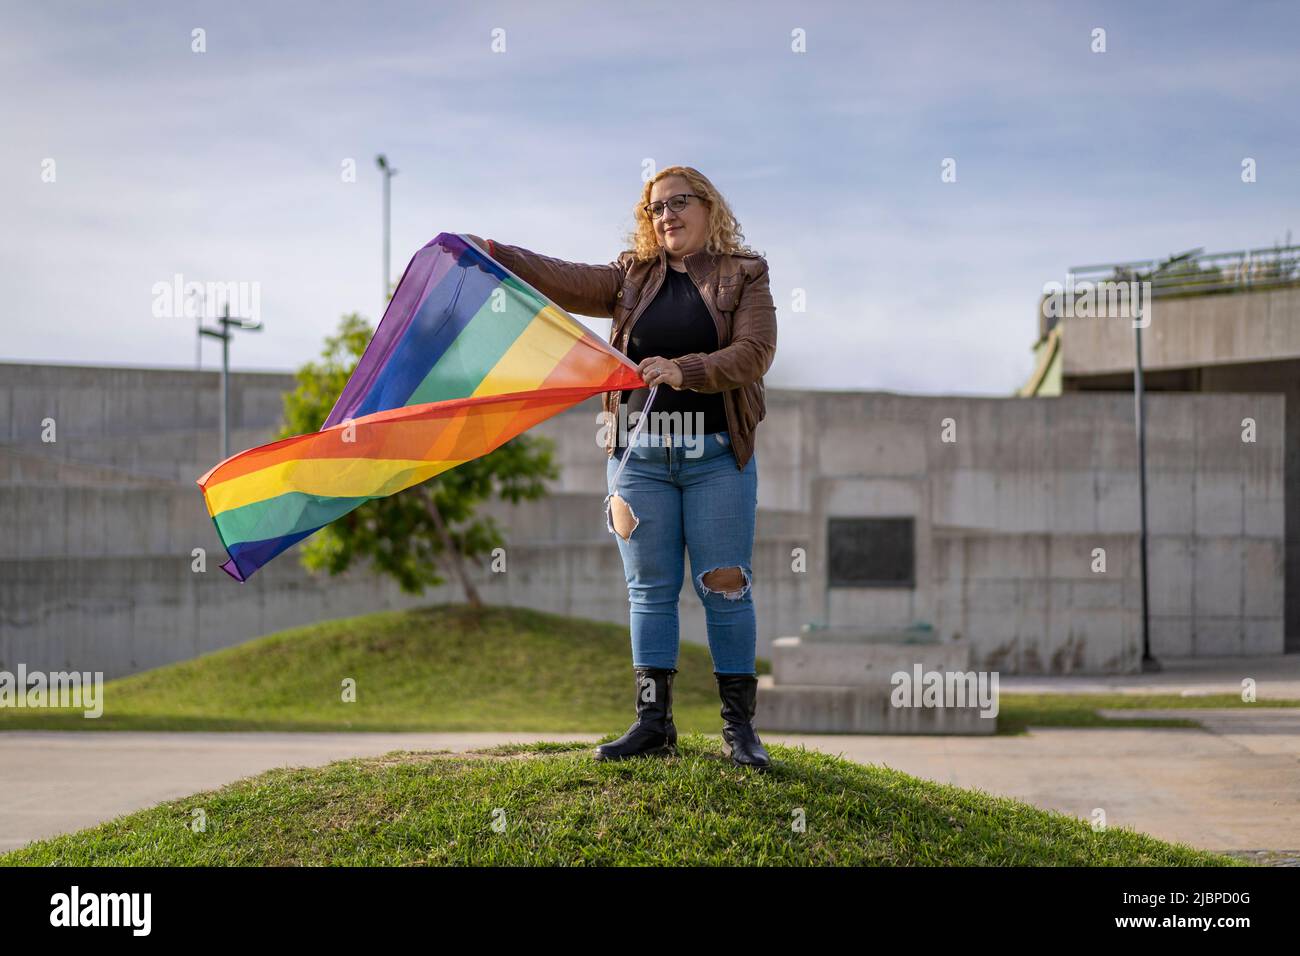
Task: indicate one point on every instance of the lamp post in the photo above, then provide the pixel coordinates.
(1140, 307)
(1148, 279)
(225, 334)
(1149, 663)
(382, 162)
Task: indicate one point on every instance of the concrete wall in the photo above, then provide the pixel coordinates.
(1279, 377)
(1258, 326)
(98, 527)
(1009, 515)
(149, 421)
(96, 532)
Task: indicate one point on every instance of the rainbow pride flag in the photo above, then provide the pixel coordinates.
(466, 357)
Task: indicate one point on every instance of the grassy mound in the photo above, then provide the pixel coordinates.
(555, 805)
(444, 668)
(450, 668)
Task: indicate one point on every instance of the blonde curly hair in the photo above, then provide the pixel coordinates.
(724, 229)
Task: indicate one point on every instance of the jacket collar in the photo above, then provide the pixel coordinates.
(699, 265)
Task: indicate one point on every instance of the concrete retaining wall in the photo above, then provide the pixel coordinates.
(97, 530)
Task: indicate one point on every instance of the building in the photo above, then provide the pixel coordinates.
(1219, 323)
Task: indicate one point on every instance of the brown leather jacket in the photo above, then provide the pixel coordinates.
(734, 287)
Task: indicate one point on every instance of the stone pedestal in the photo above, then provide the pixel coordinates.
(845, 684)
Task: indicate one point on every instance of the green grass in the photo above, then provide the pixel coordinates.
(449, 668)
(560, 807)
(1018, 712)
(445, 668)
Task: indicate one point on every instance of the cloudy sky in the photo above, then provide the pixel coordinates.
(229, 165)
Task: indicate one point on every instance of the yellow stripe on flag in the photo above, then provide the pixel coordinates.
(533, 356)
(327, 477)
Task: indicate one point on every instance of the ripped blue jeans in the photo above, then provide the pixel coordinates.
(688, 495)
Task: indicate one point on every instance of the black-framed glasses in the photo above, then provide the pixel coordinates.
(675, 203)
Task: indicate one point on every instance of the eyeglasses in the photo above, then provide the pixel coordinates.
(676, 204)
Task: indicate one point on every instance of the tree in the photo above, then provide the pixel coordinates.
(408, 534)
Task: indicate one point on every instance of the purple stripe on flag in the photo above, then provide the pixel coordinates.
(253, 554)
(427, 267)
(447, 310)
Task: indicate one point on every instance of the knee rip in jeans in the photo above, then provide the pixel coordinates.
(732, 583)
(619, 517)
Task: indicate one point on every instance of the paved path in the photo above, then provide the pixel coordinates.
(1276, 676)
(70, 780)
(1233, 786)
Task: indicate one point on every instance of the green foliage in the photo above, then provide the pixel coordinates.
(321, 383)
(398, 534)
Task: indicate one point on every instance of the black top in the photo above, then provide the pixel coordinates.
(676, 323)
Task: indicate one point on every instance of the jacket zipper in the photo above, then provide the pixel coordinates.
(627, 334)
(645, 303)
(726, 405)
(717, 325)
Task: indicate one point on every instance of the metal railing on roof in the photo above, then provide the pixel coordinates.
(1196, 273)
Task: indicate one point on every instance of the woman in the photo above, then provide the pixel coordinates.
(693, 307)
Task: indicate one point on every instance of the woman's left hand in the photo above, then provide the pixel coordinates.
(658, 370)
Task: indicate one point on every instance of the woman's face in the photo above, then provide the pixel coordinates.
(680, 233)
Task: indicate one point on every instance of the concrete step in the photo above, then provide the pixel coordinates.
(828, 664)
(857, 710)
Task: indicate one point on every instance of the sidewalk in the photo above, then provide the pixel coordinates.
(1231, 787)
(1234, 786)
(1276, 677)
(70, 780)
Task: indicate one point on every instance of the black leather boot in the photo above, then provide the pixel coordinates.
(653, 731)
(739, 693)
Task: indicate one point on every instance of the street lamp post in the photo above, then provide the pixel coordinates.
(382, 162)
(1146, 280)
(1149, 663)
(225, 334)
